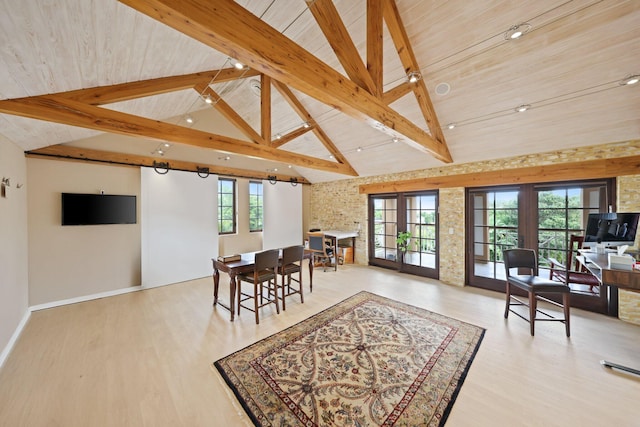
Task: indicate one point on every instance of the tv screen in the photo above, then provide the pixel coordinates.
(94, 209)
(612, 227)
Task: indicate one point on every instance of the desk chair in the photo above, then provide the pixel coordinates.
(534, 285)
(291, 263)
(321, 248)
(579, 274)
(265, 270)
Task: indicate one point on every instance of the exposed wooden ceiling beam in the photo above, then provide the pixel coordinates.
(229, 113)
(265, 107)
(229, 28)
(283, 139)
(338, 37)
(374, 44)
(408, 59)
(588, 169)
(126, 91)
(66, 111)
(66, 152)
(393, 94)
(297, 106)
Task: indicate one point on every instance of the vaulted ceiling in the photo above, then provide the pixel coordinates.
(324, 91)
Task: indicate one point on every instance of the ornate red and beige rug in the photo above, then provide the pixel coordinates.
(366, 361)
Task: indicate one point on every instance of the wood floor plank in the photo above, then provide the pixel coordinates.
(144, 358)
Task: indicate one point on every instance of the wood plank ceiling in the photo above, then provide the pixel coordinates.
(324, 93)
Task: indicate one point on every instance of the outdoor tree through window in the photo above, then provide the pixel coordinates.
(255, 206)
(226, 206)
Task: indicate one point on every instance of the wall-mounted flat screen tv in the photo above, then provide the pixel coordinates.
(612, 228)
(94, 209)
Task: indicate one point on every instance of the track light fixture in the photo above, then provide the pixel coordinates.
(413, 76)
(236, 64)
(517, 31)
(631, 80)
(522, 108)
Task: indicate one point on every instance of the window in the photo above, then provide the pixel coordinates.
(255, 206)
(226, 206)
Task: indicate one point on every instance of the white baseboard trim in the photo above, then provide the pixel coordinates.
(14, 337)
(85, 298)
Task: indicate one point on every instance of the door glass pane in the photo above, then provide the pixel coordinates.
(385, 228)
(421, 223)
(495, 228)
(563, 211)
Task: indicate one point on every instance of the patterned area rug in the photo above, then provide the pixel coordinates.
(366, 361)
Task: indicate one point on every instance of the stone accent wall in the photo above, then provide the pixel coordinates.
(339, 205)
(628, 198)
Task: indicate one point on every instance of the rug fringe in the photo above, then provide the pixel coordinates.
(232, 398)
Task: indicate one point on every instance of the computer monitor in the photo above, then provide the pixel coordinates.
(611, 229)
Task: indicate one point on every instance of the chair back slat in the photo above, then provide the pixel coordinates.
(292, 254)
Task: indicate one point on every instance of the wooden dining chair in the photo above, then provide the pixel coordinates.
(535, 286)
(578, 275)
(322, 251)
(264, 271)
(291, 265)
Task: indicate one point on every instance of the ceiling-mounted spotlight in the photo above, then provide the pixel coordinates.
(236, 64)
(359, 149)
(188, 119)
(225, 158)
(395, 139)
(278, 136)
(522, 108)
(208, 99)
(451, 125)
(306, 125)
(631, 80)
(413, 76)
(517, 31)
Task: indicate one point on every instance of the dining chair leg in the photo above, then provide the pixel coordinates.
(256, 292)
(532, 311)
(566, 303)
(508, 302)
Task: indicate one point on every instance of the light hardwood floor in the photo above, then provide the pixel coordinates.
(144, 358)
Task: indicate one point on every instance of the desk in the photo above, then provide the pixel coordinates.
(611, 279)
(245, 265)
(335, 236)
(598, 265)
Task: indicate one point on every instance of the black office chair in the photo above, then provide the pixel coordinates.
(534, 285)
(290, 265)
(322, 251)
(265, 270)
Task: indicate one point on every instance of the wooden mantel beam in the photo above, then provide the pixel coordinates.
(229, 28)
(587, 169)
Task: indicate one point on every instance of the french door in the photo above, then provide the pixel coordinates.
(535, 216)
(415, 213)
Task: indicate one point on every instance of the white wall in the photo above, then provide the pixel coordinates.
(282, 215)
(14, 286)
(179, 226)
(74, 261)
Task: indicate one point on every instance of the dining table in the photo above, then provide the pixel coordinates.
(245, 264)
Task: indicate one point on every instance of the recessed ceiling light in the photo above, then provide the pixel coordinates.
(631, 80)
(522, 108)
(443, 89)
(517, 31)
